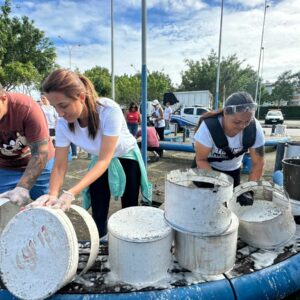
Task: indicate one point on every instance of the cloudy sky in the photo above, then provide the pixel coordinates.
(176, 30)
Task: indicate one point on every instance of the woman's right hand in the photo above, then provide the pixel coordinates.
(45, 200)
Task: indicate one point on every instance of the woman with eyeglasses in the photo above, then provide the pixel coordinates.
(98, 126)
(133, 118)
(223, 137)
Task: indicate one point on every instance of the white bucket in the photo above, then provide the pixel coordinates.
(140, 244)
(7, 211)
(268, 223)
(39, 252)
(207, 255)
(195, 209)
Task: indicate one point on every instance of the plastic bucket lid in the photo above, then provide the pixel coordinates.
(139, 224)
(38, 253)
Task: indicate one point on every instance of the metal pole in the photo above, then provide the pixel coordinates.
(69, 50)
(112, 52)
(261, 73)
(144, 81)
(219, 60)
(261, 46)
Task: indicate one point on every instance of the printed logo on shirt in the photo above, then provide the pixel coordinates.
(219, 153)
(14, 144)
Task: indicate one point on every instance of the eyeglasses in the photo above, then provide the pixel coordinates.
(248, 107)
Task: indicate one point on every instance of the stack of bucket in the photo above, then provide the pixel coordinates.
(205, 230)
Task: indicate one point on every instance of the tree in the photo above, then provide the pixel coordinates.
(284, 87)
(201, 75)
(26, 55)
(158, 84)
(101, 79)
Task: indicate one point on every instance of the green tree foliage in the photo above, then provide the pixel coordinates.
(101, 79)
(128, 87)
(284, 87)
(26, 55)
(201, 75)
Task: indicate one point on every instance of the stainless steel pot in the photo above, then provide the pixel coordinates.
(208, 255)
(272, 226)
(198, 210)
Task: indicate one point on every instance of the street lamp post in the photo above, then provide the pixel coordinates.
(260, 50)
(219, 60)
(112, 51)
(261, 73)
(70, 48)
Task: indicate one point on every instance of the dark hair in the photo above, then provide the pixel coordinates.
(237, 98)
(71, 84)
(133, 105)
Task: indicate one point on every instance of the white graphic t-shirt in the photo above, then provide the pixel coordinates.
(235, 143)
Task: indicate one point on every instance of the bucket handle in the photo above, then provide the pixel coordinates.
(94, 236)
(261, 185)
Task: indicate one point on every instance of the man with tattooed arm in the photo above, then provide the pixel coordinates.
(26, 152)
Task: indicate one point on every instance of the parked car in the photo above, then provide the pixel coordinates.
(274, 117)
(188, 116)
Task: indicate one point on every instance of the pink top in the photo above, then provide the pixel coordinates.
(152, 138)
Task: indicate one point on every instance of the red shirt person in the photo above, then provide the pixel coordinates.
(133, 118)
(26, 152)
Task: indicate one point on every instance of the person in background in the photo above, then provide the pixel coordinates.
(26, 153)
(158, 118)
(50, 114)
(98, 126)
(236, 127)
(167, 115)
(133, 118)
(152, 140)
(74, 151)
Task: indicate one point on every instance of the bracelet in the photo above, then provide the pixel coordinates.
(68, 193)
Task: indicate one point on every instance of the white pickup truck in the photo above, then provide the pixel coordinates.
(188, 116)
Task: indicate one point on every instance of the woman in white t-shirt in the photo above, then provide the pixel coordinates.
(98, 126)
(158, 118)
(50, 114)
(237, 123)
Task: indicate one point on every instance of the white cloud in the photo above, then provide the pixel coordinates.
(177, 29)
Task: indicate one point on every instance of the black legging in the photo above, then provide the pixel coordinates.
(160, 132)
(100, 193)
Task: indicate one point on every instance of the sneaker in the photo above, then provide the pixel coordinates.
(74, 157)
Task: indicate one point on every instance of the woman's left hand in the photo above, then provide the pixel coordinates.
(64, 201)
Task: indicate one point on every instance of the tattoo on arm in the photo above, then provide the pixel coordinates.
(260, 151)
(36, 164)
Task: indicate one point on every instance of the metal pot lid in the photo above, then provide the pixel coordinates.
(38, 251)
(139, 224)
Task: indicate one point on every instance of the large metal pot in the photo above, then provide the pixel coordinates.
(268, 223)
(140, 244)
(291, 175)
(208, 255)
(198, 210)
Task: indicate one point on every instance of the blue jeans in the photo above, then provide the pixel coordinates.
(10, 178)
(133, 128)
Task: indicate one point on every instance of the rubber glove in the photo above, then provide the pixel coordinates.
(64, 201)
(45, 200)
(245, 199)
(19, 196)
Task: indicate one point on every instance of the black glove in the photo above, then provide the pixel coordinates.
(245, 199)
